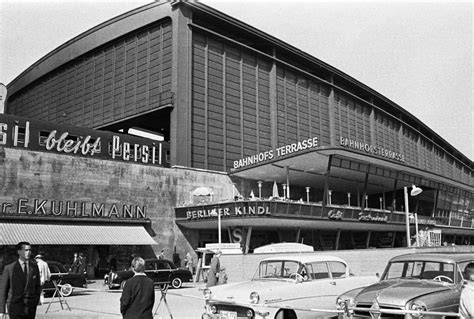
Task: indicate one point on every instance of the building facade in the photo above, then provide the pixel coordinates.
(272, 143)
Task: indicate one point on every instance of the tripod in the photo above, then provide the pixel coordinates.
(163, 290)
(58, 294)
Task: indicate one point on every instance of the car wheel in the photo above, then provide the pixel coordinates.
(176, 283)
(285, 314)
(122, 284)
(66, 290)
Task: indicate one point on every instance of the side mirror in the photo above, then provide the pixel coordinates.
(377, 275)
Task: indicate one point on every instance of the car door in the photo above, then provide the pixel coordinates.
(163, 271)
(150, 269)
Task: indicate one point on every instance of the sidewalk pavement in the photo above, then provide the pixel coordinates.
(98, 302)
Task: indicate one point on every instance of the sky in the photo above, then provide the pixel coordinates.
(417, 54)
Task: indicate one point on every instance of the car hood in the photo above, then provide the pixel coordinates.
(399, 292)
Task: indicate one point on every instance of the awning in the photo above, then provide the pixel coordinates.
(73, 234)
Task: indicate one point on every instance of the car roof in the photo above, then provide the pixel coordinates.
(305, 258)
(448, 257)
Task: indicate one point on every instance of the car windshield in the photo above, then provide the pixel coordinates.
(278, 269)
(428, 270)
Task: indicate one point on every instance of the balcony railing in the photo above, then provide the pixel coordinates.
(284, 208)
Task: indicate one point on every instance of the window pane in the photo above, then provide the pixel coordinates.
(338, 269)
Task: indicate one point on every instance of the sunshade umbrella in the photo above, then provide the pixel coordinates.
(275, 190)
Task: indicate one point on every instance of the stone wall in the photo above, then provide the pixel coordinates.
(32, 175)
(362, 262)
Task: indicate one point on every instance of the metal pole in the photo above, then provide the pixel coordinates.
(416, 229)
(219, 227)
(407, 217)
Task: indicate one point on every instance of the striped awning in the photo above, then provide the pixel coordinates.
(73, 234)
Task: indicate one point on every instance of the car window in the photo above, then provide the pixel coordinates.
(163, 265)
(461, 268)
(318, 270)
(150, 266)
(53, 269)
(398, 270)
(338, 269)
(278, 269)
(290, 267)
(269, 269)
(421, 270)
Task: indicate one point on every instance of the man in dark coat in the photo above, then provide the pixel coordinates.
(20, 288)
(138, 295)
(214, 269)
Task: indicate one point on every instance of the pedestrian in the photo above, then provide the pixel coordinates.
(45, 274)
(214, 269)
(138, 295)
(75, 264)
(466, 303)
(189, 262)
(82, 264)
(222, 278)
(20, 287)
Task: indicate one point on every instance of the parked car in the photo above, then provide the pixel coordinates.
(161, 271)
(285, 287)
(65, 279)
(418, 282)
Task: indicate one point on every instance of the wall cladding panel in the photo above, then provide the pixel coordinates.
(235, 87)
(105, 85)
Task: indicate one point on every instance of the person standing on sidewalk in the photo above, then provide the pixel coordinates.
(214, 270)
(466, 304)
(45, 274)
(20, 287)
(138, 295)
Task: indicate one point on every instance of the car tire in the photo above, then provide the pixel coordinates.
(176, 283)
(285, 314)
(66, 290)
(122, 284)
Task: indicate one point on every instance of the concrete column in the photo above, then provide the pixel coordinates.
(181, 86)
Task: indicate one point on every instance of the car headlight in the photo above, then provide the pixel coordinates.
(213, 309)
(418, 306)
(207, 294)
(254, 297)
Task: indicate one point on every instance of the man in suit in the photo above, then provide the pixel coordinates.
(20, 288)
(138, 295)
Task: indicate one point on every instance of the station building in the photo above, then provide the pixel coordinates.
(249, 140)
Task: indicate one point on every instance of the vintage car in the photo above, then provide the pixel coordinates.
(162, 271)
(66, 281)
(285, 287)
(413, 282)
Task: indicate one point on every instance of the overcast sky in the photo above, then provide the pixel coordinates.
(417, 54)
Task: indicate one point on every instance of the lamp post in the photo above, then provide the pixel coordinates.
(414, 191)
(329, 197)
(284, 191)
(307, 194)
(260, 189)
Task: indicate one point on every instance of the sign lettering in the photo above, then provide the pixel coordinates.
(371, 149)
(278, 152)
(237, 211)
(44, 207)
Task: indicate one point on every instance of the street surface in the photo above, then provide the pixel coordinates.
(98, 302)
